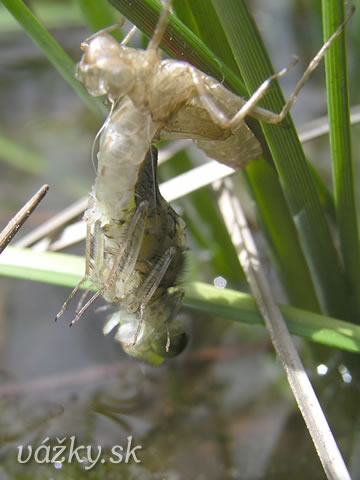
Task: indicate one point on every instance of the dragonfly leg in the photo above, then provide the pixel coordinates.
(250, 106)
(83, 280)
(150, 285)
(125, 258)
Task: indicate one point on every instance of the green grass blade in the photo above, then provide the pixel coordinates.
(241, 307)
(325, 196)
(281, 234)
(201, 18)
(47, 267)
(289, 159)
(340, 145)
(56, 55)
(52, 14)
(67, 270)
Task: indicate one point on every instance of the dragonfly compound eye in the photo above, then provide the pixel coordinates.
(178, 342)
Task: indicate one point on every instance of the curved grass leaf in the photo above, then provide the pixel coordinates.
(67, 270)
(340, 146)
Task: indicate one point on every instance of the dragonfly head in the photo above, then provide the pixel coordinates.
(105, 68)
(161, 334)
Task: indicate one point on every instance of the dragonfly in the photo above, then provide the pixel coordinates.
(135, 241)
(135, 262)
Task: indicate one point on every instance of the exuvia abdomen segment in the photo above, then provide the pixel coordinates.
(122, 151)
